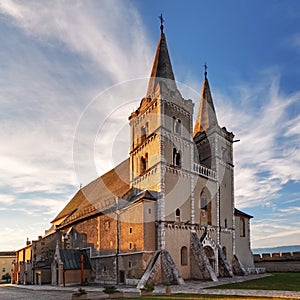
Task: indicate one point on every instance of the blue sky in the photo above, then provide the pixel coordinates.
(65, 67)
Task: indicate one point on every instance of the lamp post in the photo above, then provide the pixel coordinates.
(118, 240)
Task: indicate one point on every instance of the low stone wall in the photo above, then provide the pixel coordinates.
(278, 262)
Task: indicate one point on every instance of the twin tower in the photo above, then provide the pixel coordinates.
(188, 169)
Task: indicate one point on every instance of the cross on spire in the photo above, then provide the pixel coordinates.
(161, 23)
(205, 70)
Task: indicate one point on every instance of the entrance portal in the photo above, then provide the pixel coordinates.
(210, 255)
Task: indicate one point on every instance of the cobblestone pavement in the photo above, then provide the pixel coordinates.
(48, 292)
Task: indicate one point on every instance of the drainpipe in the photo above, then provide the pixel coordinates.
(82, 268)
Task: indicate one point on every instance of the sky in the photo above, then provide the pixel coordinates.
(71, 72)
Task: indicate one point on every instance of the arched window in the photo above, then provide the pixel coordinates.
(184, 256)
(176, 125)
(176, 158)
(224, 251)
(177, 215)
(174, 155)
(205, 206)
(242, 228)
(143, 133)
(144, 164)
(203, 201)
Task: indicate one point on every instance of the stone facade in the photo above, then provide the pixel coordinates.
(6, 262)
(278, 262)
(166, 213)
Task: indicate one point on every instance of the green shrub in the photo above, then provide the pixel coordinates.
(149, 287)
(110, 289)
(6, 277)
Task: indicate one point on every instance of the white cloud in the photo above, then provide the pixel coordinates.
(97, 32)
(275, 231)
(55, 58)
(264, 159)
(43, 95)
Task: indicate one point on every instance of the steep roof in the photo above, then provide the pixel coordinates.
(97, 195)
(162, 68)
(240, 213)
(72, 259)
(206, 117)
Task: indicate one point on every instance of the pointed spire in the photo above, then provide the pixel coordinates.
(206, 114)
(162, 68)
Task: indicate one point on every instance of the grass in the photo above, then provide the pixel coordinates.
(200, 297)
(278, 282)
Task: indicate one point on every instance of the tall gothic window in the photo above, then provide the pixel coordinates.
(205, 206)
(184, 256)
(242, 227)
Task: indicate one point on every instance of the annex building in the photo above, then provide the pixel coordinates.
(164, 215)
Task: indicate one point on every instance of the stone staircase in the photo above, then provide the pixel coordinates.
(201, 260)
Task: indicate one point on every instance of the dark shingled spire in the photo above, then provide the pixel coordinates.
(162, 69)
(206, 114)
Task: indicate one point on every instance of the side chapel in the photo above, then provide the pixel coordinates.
(167, 213)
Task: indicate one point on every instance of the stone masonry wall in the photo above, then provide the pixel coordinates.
(278, 262)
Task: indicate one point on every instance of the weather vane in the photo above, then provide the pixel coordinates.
(161, 23)
(205, 70)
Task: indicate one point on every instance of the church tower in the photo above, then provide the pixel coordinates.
(214, 151)
(161, 147)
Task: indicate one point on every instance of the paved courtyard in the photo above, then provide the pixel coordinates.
(48, 292)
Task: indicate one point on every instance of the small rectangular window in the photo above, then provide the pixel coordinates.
(107, 225)
(149, 211)
(130, 230)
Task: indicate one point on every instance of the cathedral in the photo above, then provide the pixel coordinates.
(164, 215)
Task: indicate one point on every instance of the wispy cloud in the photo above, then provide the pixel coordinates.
(98, 33)
(279, 231)
(56, 58)
(265, 160)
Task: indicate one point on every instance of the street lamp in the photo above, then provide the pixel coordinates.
(118, 239)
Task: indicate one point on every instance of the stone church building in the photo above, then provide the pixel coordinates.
(167, 213)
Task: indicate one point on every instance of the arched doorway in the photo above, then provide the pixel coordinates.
(210, 255)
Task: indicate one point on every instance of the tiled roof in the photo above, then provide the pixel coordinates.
(72, 259)
(240, 213)
(98, 195)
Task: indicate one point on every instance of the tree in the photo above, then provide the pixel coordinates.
(6, 277)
